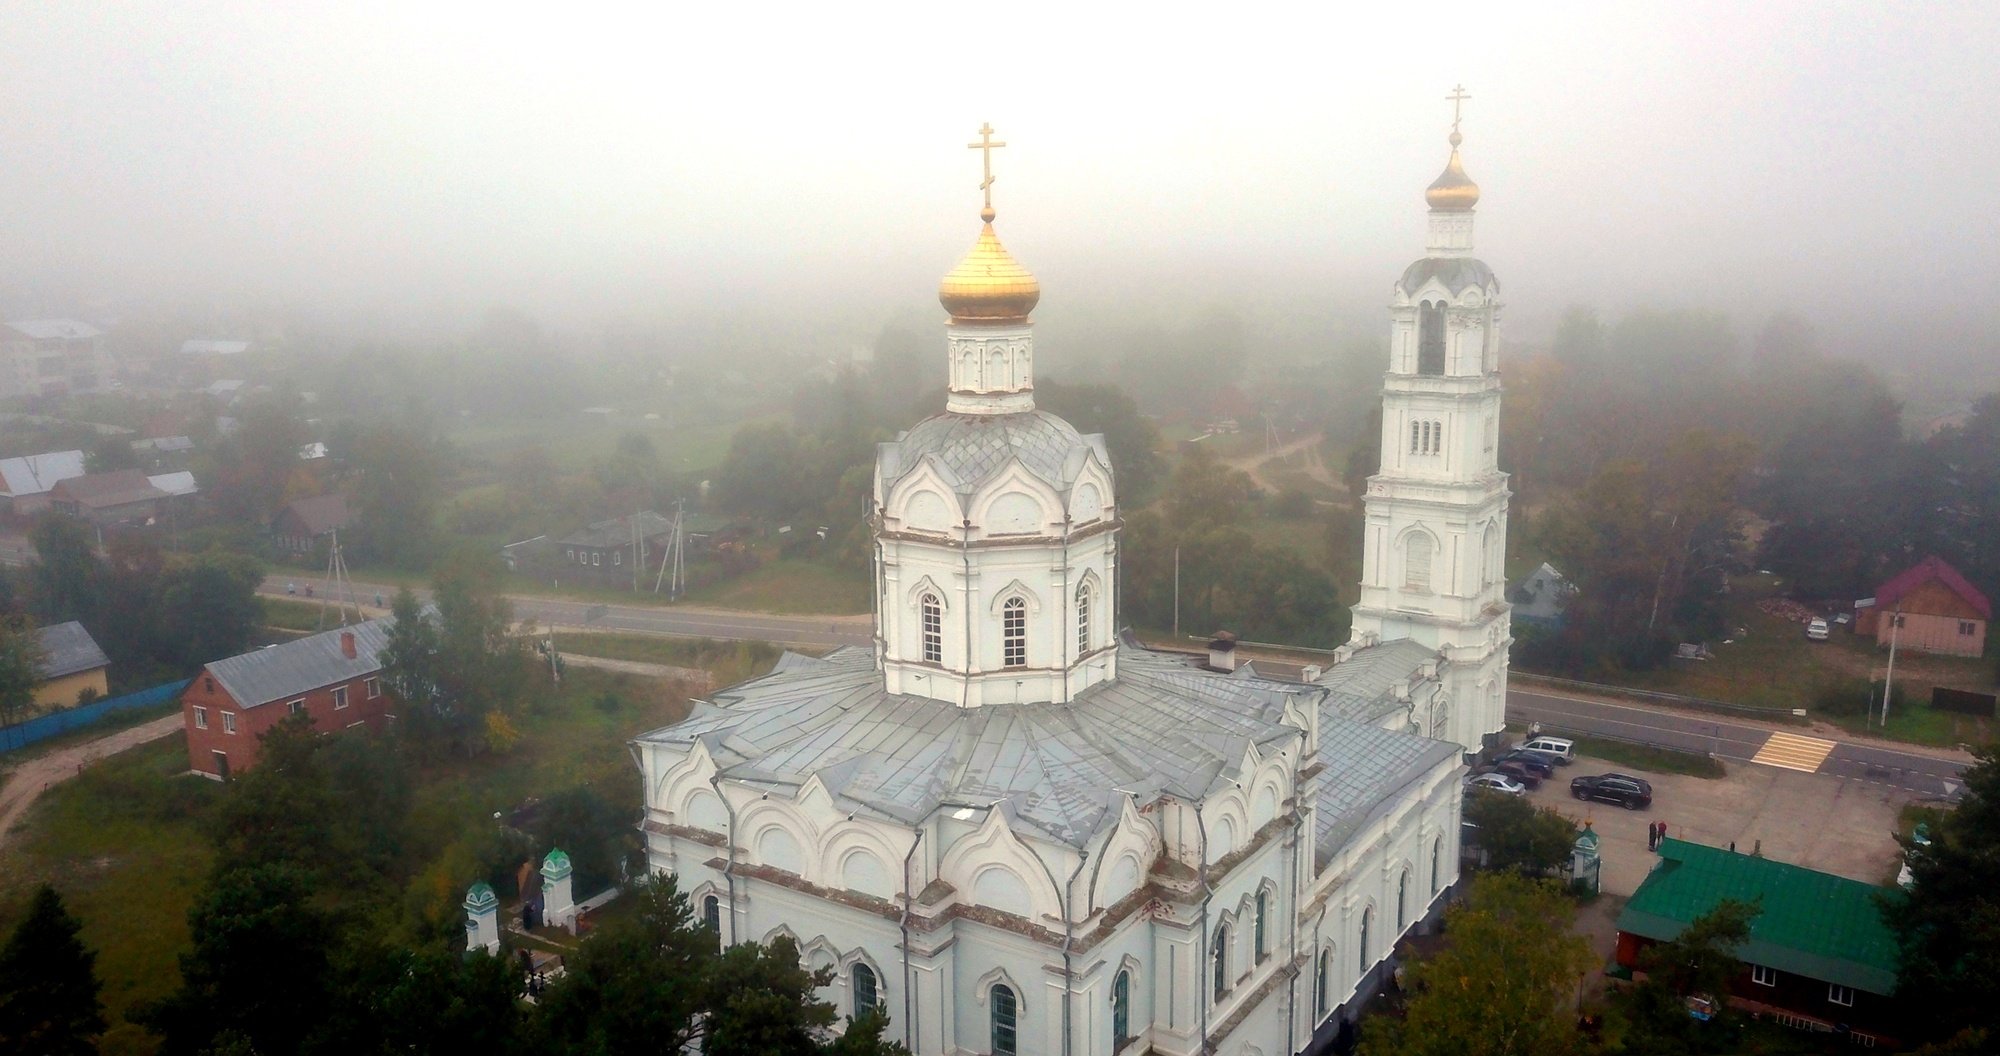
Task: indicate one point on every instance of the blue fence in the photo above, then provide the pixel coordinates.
(24, 734)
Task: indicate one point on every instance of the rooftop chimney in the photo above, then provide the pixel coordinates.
(347, 644)
(1222, 651)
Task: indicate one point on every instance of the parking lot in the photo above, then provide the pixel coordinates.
(1839, 825)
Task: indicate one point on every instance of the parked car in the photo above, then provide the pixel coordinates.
(1538, 764)
(1816, 630)
(1626, 791)
(1560, 750)
(1496, 783)
(1518, 771)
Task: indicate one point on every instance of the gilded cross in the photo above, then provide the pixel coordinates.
(986, 145)
(1457, 98)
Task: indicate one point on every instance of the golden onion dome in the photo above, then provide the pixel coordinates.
(989, 286)
(1453, 191)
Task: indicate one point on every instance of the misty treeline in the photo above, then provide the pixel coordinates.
(1656, 457)
(157, 615)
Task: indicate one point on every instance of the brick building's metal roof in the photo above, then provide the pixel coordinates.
(283, 672)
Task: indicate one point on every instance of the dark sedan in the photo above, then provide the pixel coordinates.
(1622, 789)
(1513, 768)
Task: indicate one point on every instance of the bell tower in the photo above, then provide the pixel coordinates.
(1436, 513)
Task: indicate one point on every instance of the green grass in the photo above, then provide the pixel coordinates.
(123, 845)
(1656, 760)
(728, 661)
(791, 585)
(1919, 724)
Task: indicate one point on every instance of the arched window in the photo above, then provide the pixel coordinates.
(1402, 901)
(1319, 983)
(866, 999)
(1083, 619)
(1416, 438)
(1430, 338)
(1121, 1010)
(1221, 958)
(1437, 864)
(1014, 633)
(1004, 1013)
(933, 621)
(1263, 899)
(711, 916)
(1367, 918)
(1417, 562)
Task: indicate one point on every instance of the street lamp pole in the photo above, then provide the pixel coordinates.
(1889, 677)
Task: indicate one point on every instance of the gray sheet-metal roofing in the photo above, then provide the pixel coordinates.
(1368, 772)
(1359, 687)
(283, 672)
(58, 329)
(1456, 273)
(1161, 727)
(315, 515)
(618, 530)
(68, 649)
(36, 474)
(969, 449)
(212, 347)
(1060, 768)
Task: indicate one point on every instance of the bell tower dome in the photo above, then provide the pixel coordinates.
(995, 524)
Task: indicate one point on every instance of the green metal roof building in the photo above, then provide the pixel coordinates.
(1817, 942)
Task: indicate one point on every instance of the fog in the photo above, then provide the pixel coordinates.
(393, 170)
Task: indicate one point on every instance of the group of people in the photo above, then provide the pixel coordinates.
(1656, 834)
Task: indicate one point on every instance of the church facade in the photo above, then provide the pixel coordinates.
(1012, 831)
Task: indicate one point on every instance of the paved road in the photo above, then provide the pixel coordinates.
(677, 621)
(1925, 774)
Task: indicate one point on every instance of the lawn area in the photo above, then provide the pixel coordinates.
(790, 585)
(126, 843)
(728, 661)
(1646, 757)
(123, 843)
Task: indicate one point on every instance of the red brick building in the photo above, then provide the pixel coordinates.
(1941, 612)
(334, 676)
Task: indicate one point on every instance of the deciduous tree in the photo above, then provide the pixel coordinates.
(1503, 984)
(1948, 926)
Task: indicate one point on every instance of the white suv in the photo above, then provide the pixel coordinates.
(1560, 750)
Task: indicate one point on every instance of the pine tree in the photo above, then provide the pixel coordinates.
(48, 985)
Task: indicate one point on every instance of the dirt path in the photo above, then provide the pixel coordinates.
(34, 776)
(1307, 447)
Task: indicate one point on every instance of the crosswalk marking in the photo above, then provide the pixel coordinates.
(1793, 752)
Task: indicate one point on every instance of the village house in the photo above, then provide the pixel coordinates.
(300, 526)
(110, 500)
(1929, 607)
(25, 481)
(1820, 956)
(334, 676)
(610, 544)
(71, 664)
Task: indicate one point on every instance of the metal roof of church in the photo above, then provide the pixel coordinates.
(1160, 727)
(1456, 273)
(969, 448)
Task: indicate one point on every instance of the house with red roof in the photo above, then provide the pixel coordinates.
(1929, 607)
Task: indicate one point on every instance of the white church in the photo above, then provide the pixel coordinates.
(1014, 832)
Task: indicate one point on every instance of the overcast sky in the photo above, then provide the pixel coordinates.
(582, 162)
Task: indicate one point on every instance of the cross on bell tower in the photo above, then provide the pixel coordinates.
(986, 146)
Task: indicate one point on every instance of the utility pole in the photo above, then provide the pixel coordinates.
(1889, 677)
(1177, 593)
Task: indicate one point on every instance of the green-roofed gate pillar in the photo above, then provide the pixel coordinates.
(558, 901)
(482, 919)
